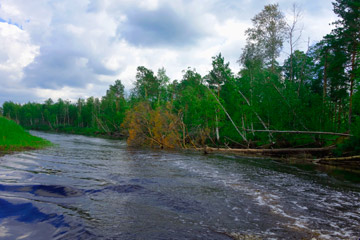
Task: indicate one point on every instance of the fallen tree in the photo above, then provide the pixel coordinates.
(341, 158)
(267, 151)
(301, 132)
(351, 162)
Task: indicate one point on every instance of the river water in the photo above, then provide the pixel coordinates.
(92, 188)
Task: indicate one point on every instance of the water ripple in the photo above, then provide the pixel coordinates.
(91, 188)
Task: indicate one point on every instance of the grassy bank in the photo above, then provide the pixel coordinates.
(14, 138)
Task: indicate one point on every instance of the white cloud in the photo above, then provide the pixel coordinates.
(16, 52)
(149, 4)
(317, 26)
(72, 49)
(68, 93)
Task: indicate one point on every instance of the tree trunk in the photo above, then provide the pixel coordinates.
(291, 58)
(325, 77)
(216, 117)
(302, 74)
(339, 116)
(257, 115)
(292, 110)
(227, 114)
(301, 132)
(268, 151)
(357, 157)
(352, 77)
(217, 129)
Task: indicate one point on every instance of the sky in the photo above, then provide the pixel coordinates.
(76, 48)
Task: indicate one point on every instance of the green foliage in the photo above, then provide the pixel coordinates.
(350, 146)
(88, 117)
(268, 33)
(220, 72)
(302, 68)
(313, 91)
(347, 37)
(196, 105)
(13, 137)
(147, 85)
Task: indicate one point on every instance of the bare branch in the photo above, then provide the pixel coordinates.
(227, 114)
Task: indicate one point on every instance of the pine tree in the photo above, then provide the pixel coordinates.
(348, 32)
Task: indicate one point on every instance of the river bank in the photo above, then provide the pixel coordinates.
(318, 156)
(14, 138)
(323, 156)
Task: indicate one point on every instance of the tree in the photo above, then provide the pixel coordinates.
(163, 83)
(80, 105)
(11, 110)
(298, 68)
(196, 105)
(116, 90)
(150, 127)
(219, 74)
(348, 31)
(293, 37)
(268, 33)
(113, 107)
(147, 85)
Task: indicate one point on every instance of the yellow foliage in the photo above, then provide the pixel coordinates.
(156, 128)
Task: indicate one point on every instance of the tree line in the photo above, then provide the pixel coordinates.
(262, 105)
(92, 114)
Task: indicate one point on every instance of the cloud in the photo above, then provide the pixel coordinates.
(78, 48)
(162, 26)
(72, 53)
(56, 69)
(17, 52)
(16, 95)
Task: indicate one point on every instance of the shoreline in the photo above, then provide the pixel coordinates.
(15, 149)
(318, 156)
(291, 154)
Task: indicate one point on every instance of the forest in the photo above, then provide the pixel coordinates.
(312, 100)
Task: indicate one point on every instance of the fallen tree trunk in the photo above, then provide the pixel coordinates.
(227, 114)
(287, 103)
(341, 158)
(257, 115)
(267, 151)
(301, 132)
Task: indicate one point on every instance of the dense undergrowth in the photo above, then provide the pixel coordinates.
(350, 146)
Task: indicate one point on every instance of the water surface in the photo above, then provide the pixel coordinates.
(92, 188)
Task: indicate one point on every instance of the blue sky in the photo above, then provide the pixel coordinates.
(77, 48)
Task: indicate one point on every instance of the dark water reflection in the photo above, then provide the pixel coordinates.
(90, 188)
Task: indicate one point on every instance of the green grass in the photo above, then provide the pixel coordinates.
(14, 138)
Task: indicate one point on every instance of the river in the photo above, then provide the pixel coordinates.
(93, 188)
